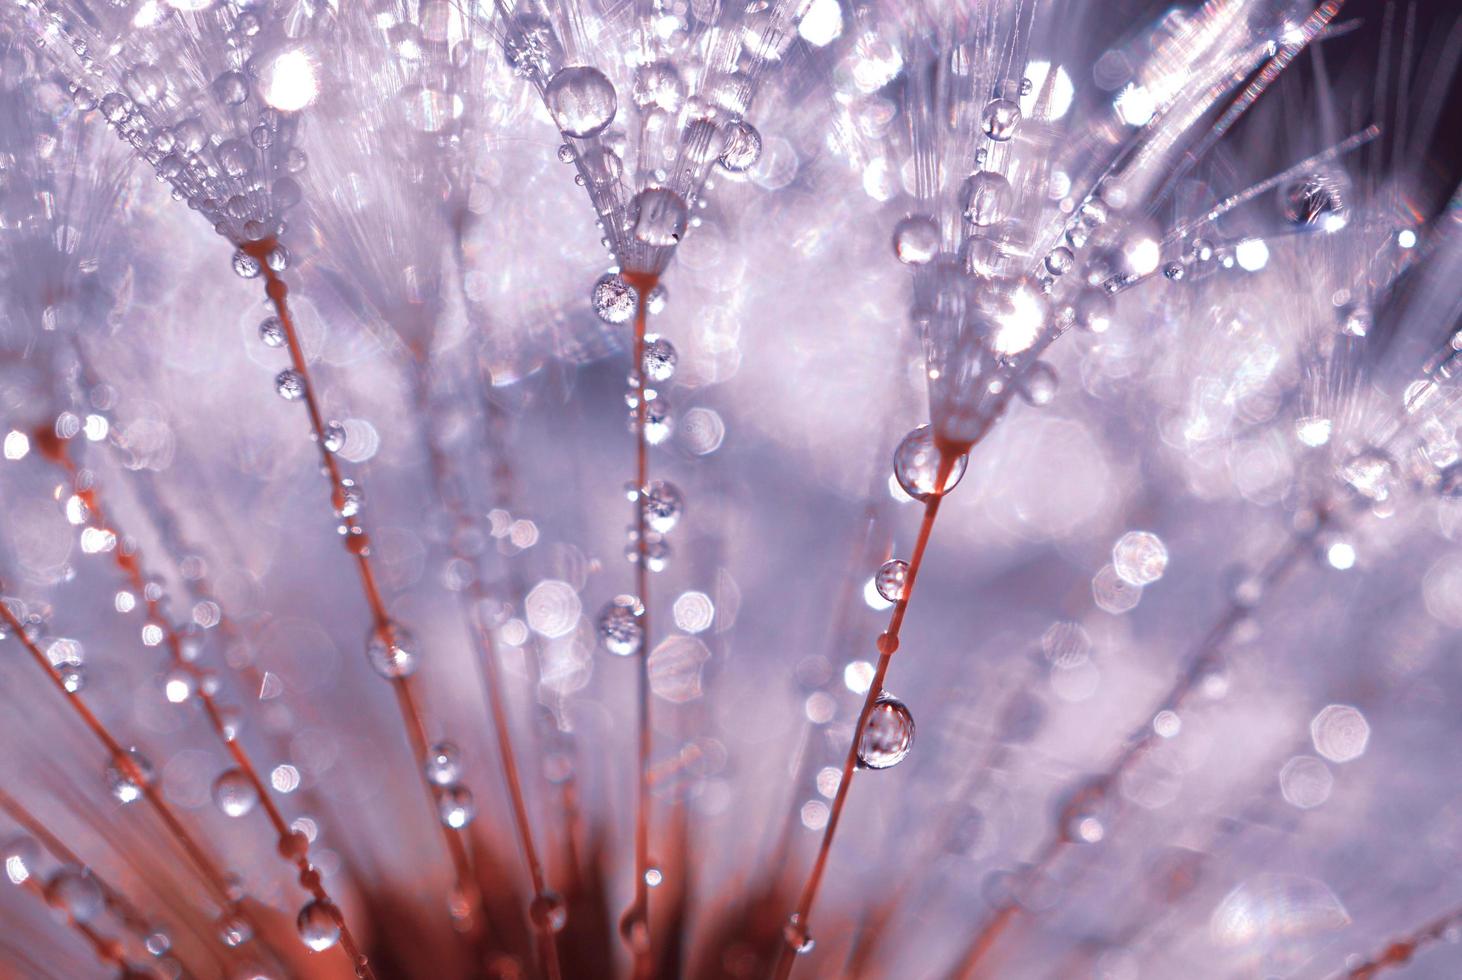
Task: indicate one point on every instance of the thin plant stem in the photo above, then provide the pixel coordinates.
(638, 934)
(212, 876)
(1234, 613)
(293, 846)
(108, 951)
(888, 644)
(384, 630)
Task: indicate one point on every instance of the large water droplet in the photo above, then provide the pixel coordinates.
(888, 735)
(234, 793)
(916, 465)
(658, 216)
(319, 925)
(986, 198)
(619, 626)
(662, 504)
(582, 101)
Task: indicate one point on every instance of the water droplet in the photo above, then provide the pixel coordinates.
(891, 579)
(916, 464)
(246, 266)
(128, 776)
(887, 736)
(231, 88)
(1317, 200)
(581, 100)
(234, 930)
(986, 198)
(916, 239)
(271, 332)
(443, 764)
(456, 807)
(21, 857)
(797, 936)
(1000, 119)
(349, 498)
(619, 626)
(1060, 260)
(75, 892)
(290, 384)
(662, 504)
(548, 911)
(234, 793)
(73, 677)
(658, 363)
(1039, 384)
(334, 436)
(658, 216)
(743, 147)
(1093, 311)
(391, 651)
(614, 299)
(319, 925)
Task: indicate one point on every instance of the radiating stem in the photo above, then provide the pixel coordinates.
(640, 944)
(384, 630)
(293, 846)
(1234, 613)
(888, 644)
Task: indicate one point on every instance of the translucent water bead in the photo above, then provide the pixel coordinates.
(549, 912)
(916, 239)
(916, 465)
(443, 764)
(1316, 200)
(234, 930)
(271, 332)
(290, 384)
(658, 216)
(456, 806)
(892, 579)
(619, 626)
(234, 793)
(986, 198)
(661, 504)
(1000, 119)
(128, 776)
(797, 936)
(319, 925)
(613, 299)
(75, 892)
(392, 652)
(658, 362)
(888, 736)
(581, 100)
(743, 147)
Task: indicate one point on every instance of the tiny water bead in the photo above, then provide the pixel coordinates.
(619, 626)
(658, 362)
(1000, 119)
(456, 806)
(892, 579)
(797, 936)
(391, 651)
(246, 266)
(658, 216)
(443, 764)
(548, 911)
(986, 198)
(75, 892)
(1039, 384)
(334, 436)
(743, 147)
(290, 384)
(319, 925)
(128, 776)
(661, 504)
(234, 793)
(271, 332)
(582, 101)
(1059, 260)
(234, 930)
(614, 299)
(1316, 200)
(916, 239)
(916, 464)
(888, 734)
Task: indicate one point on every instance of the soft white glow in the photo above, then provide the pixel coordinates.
(1313, 432)
(858, 676)
(17, 444)
(1406, 238)
(1062, 91)
(822, 24)
(1341, 555)
(1136, 105)
(871, 596)
(1143, 255)
(1021, 325)
(291, 81)
(1252, 254)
